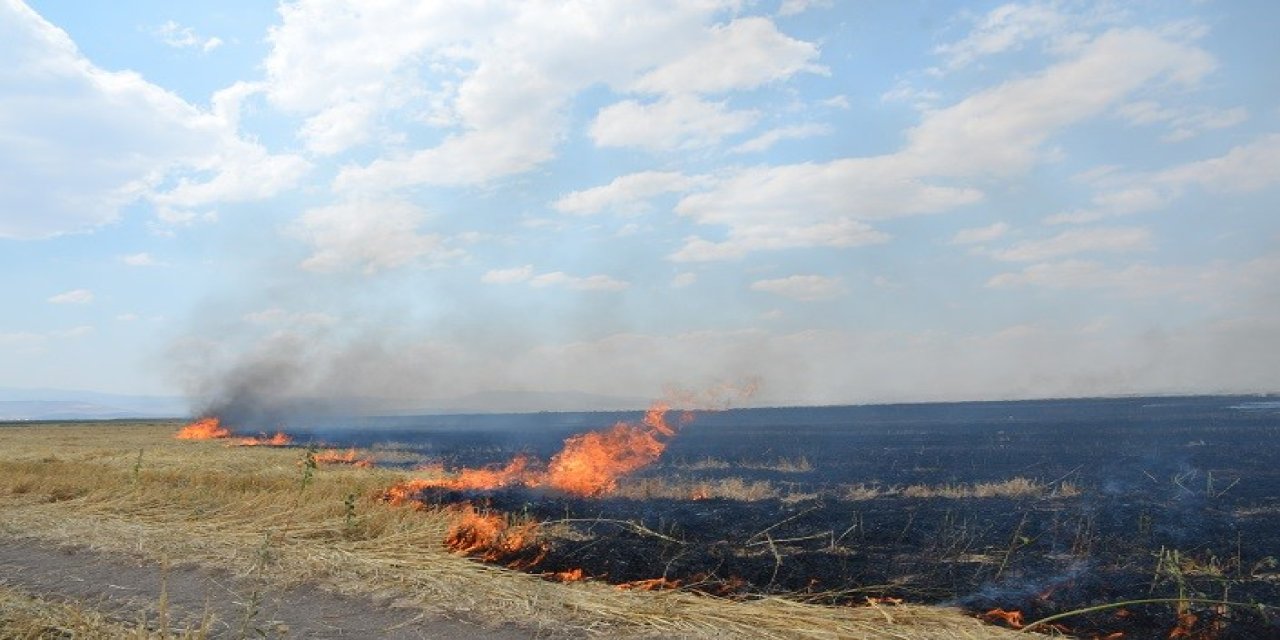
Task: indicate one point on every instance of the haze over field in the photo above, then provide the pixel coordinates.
(417, 203)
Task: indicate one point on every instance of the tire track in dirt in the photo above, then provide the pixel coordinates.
(122, 587)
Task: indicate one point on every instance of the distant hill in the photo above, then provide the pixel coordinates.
(66, 404)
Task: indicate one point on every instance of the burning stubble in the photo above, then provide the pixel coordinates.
(590, 464)
(210, 428)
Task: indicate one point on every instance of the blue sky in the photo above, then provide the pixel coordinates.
(850, 201)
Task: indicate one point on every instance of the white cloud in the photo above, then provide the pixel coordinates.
(1245, 168)
(60, 180)
(74, 296)
(685, 279)
(810, 205)
(1183, 122)
(1112, 239)
(670, 123)
(127, 317)
(835, 102)
(1008, 27)
(143, 259)
(918, 99)
(587, 283)
(494, 80)
(806, 288)
(553, 279)
(629, 194)
(180, 37)
(743, 54)
(508, 276)
(793, 7)
(1079, 274)
(338, 128)
(999, 131)
(57, 179)
(980, 234)
(995, 132)
(766, 140)
(239, 172)
(1248, 167)
(767, 236)
(372, 235)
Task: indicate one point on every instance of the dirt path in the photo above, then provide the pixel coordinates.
(121, 586)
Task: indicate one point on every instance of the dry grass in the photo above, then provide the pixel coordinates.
(735, 488)
(684, 489)
(1018, 487)
(25, 617)
(784, 465)
(254, 511)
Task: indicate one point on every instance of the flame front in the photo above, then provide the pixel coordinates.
(280, 439)
(203, 429)
(572, 575)
(1011, 618)
(333, 456)
(492, 537)
(652, 584)
(589, 464)
(211, 428)
(514, 472)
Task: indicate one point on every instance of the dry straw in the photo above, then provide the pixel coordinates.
(244, 509)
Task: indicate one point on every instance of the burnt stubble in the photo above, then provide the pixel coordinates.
(1114, 500)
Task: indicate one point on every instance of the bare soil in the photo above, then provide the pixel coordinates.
(126, 588)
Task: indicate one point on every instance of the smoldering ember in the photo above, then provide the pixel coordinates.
(1139, 517)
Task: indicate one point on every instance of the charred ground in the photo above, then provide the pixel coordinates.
(1040, 507)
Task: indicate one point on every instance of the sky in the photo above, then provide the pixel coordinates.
(847, 201)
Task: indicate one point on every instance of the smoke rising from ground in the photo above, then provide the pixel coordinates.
(276, 363)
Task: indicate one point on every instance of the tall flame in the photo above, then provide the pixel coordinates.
(589, 464)
(203, 429)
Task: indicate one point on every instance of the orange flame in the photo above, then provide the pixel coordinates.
(572, 575)
(203, 429)
(490, 536)
(589, 464)
(280, 439)
(652, 584)
(1186, 624)
(333, 456)
(515, 471)
(1011, 618)
(407, 492)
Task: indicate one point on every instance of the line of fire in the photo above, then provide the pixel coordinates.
(1022, 544)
